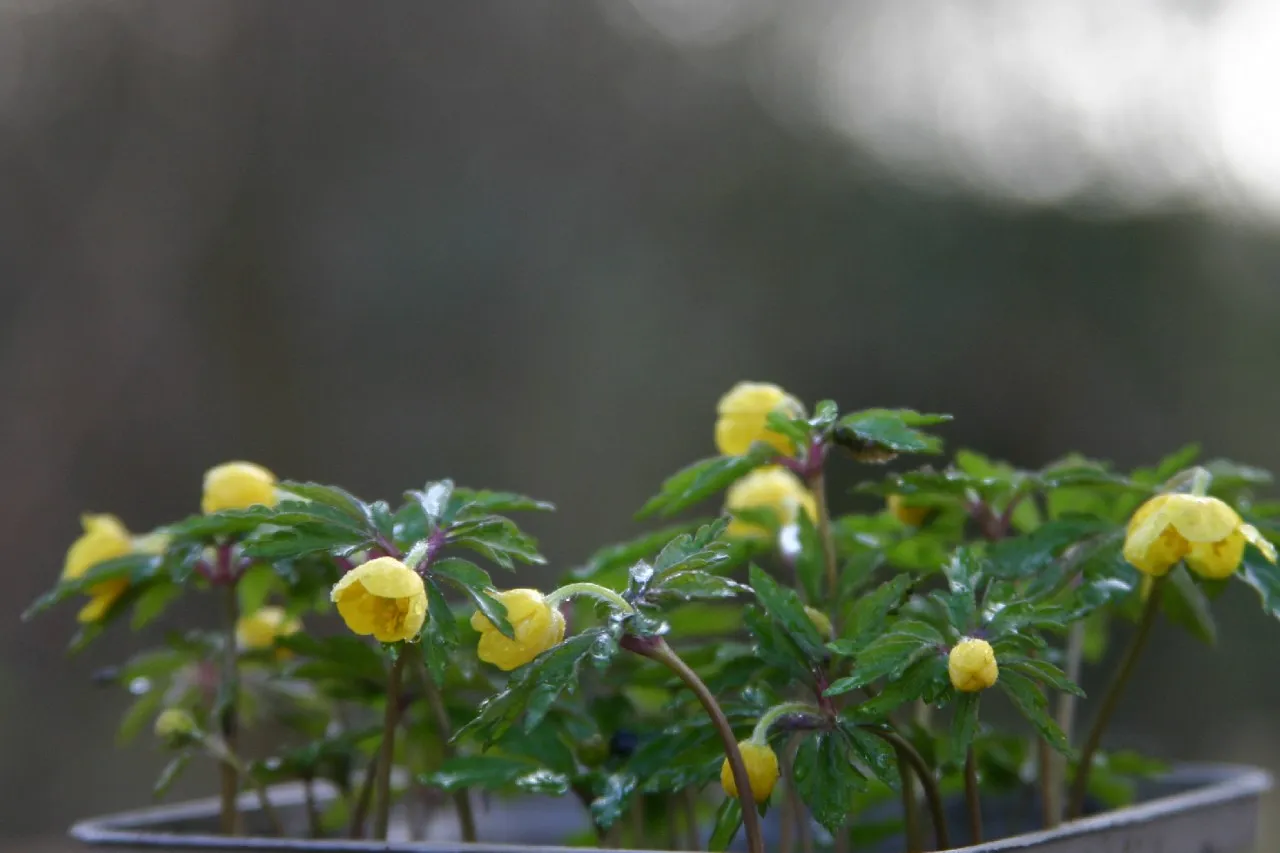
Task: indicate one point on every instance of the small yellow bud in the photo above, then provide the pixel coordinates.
(261, 629)
(238, 485)
(762, 768)
(104, 538)
(1203, 531)
(382, 597)
(175, 724)
(820, 621)
(742, 415)
(972, 666)
(537, 627)
(911, 516)
(770, 488)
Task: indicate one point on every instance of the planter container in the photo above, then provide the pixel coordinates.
(1195, 809)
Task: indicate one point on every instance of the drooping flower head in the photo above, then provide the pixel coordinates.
(762, 769)
(104, 538)
(742, 414)
(537, 627)
(237, 485)
(1203, 531)
(383, 598)
(771, 488)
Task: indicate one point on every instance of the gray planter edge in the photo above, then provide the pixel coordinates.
(1219, 815)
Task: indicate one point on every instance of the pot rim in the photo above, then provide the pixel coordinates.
(1216, 784)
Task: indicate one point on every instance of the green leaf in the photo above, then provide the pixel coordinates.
(152, 602)
(136, 567)
(332, 496)
(170, 773)
(878, 756)
(496, 773)
(826, 778)
(810, 561)
(775, 646)
(964, 723)
(728, 820)
(784, 606)
(493, 609)
(498, 539)
(1031, 703)
(532, 689)
(227, 522)
(796, 431)
(434, 501)
(703, 479)
(825, 414)
(702, 549)
(255, 587)
(689, 586)
(924, 677)
(1042, 671)
(871, 612)
(889, 655)
(462, 572)
(614, 796)
(616, 559)
(1186, 606)
(1167, 467)
(468, 501)
(1264, 578)
(340, 657)
(440, 634)
(891, 429)
(140, 715)
(1032, 554)
(304, 539)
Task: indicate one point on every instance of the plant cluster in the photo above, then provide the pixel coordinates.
(849, 670)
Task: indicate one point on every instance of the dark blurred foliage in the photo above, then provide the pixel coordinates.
(527, 245)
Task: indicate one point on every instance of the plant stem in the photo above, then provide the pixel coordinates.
(229, 693)
(1111, 698)
(971, 798)
(818, 485)
(382, 815)
(592, 590)
(932, 795)
(314, 829)
(355, 826)
(910, 806)
(657, 649)
(461, 798)
(1066, 722)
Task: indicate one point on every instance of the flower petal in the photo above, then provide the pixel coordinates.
(1201, 519)
(387, 577)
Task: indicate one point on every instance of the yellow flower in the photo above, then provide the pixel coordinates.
(820, 621)
(911, 516)
(537, 627)
(104, 538)
(762, 768)
(261, 629)
(1203, 531)
(771, 488)
(175, 724)
(238, 485)
(972, 666)
(382, 597)
(742, 413)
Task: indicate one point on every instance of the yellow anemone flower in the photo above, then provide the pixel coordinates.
(537, 627)
(261, 629)
(382, 597)
(908, 514)
(972, 666)
(742, 415)
(237, 485)
(104, 538)
(762, 768)
(1203, 531)
(770, 488)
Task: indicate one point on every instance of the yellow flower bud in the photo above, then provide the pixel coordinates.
(972, 666)
(104, 538)
(742, 414)
(911, 516)
(382, 597)
(175, 724)
(261, 629)
(771, 488)
(1203, 531)
(762, 768)
(820, 621)
(537, 627)
(238, 485)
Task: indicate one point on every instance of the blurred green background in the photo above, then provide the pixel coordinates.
(528, 244)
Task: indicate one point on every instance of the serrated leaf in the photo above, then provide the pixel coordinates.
(825, 414)
(170, 773)
(136, 567)
(690, 586)
(796, 431)
(784, 606)
(703, 479)
(468, 501)
(810, 561)
(304, 539)
(1038, 669)
(700, 550)
(1264, 578)
(878, 756)
(728, 820)
(617, 558)
(871, 612)
(1031, 703)
(499, 539)
(496, 773)
(332, 496)
(826, 778)
(1186, 606)
(964, 723)
(889, 655)
(463, 572)
(916, 681)
(892, 429)
(1033, 553)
